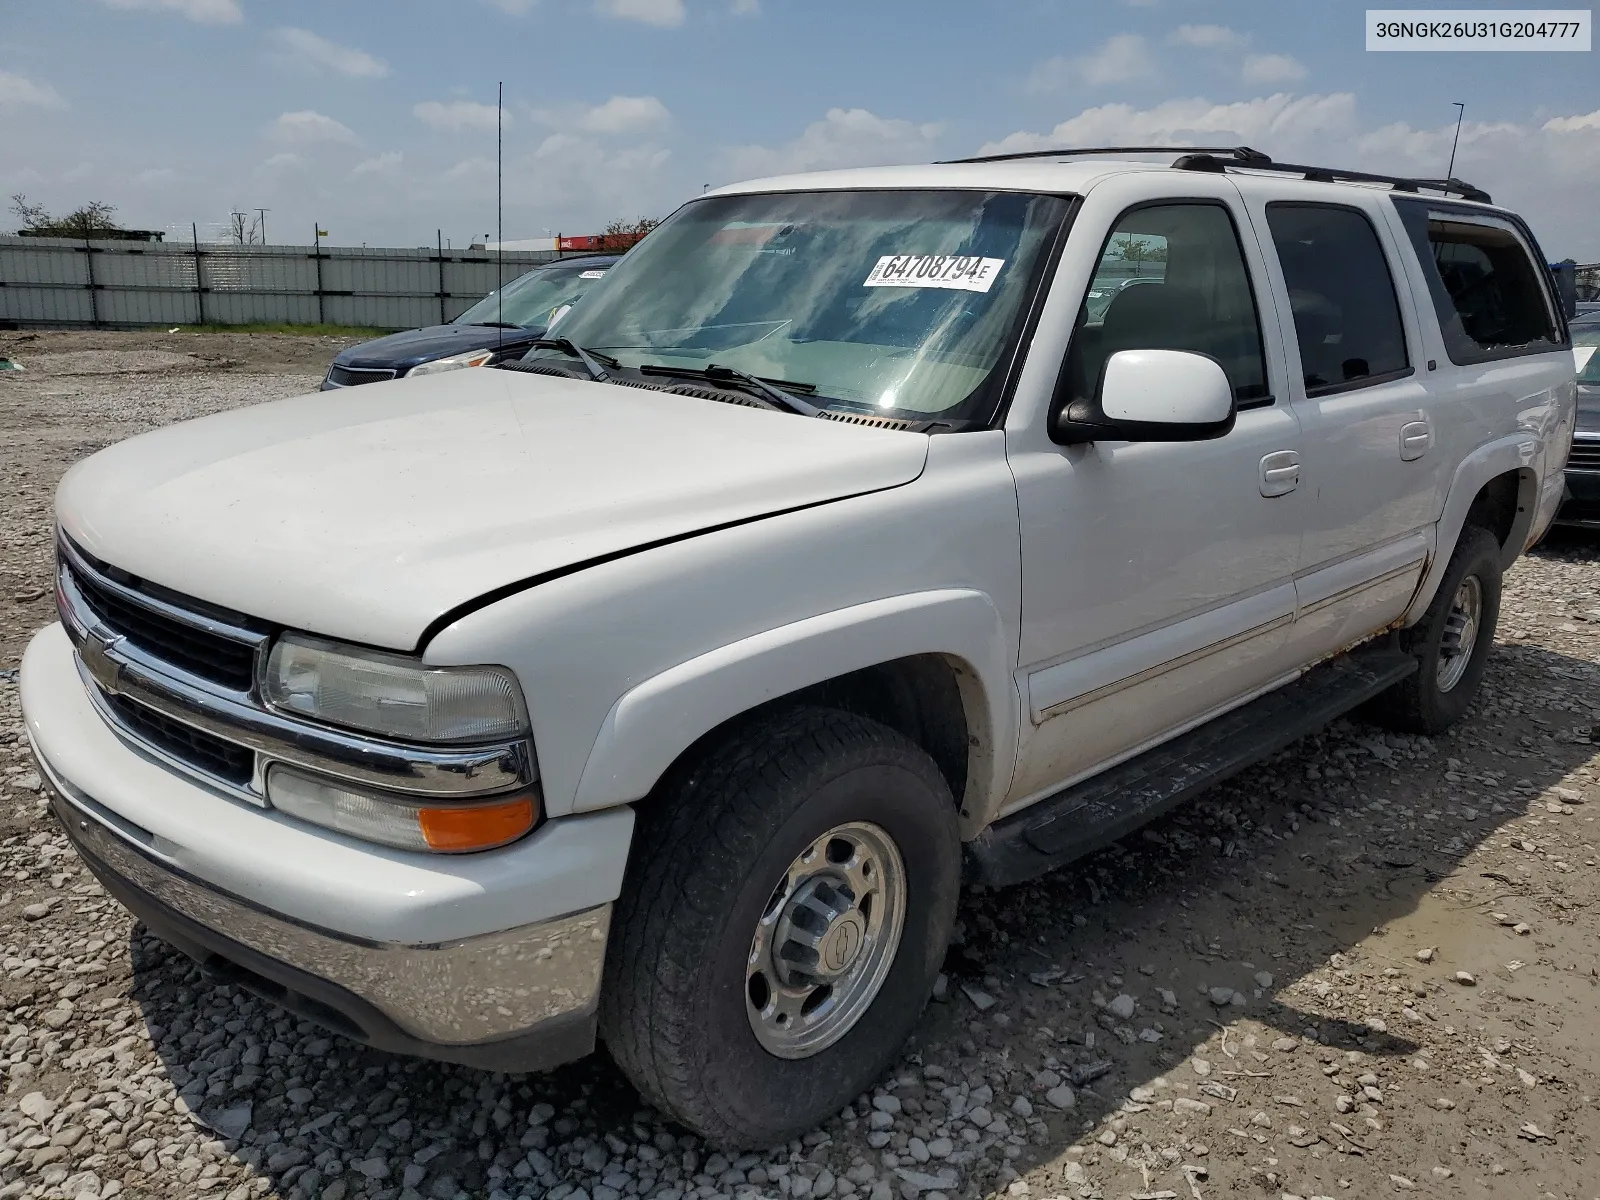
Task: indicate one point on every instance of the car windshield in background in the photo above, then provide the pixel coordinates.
(1586, 349)
(533, 299)
(899, 302)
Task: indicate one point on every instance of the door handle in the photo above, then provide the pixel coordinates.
(1416, 438)
(1280, 473)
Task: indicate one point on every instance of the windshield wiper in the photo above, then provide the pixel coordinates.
(496, 324)
(590, 361)
(775, 397)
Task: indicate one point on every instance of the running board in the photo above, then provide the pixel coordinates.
(1091, 814)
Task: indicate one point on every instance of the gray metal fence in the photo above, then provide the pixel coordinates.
(115, 284)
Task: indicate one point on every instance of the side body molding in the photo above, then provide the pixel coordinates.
(655, 721)
(1518, 452)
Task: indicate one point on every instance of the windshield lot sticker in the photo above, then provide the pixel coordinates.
(590, 274)
(959, 271)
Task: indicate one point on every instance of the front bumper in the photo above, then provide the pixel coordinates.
(407, 952)
(1581, 505)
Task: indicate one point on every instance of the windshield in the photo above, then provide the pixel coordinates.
(533, 299)
(1586, 349)
(902, 303)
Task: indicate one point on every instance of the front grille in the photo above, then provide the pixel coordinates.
(230, 763)
(1585, 456)
(352, 376)
(204, 654)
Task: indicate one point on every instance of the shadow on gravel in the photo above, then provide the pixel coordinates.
(1213, 913)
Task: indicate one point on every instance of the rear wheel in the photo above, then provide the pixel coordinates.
(1451, 643)
(786, 912)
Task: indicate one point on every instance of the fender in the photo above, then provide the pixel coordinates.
(1518, 452)
(658, 719)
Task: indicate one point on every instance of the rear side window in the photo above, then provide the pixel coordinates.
(1486, 286)
(1346, 316)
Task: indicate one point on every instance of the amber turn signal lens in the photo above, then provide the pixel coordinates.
(478, 827)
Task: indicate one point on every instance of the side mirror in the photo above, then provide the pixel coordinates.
(1151, 396)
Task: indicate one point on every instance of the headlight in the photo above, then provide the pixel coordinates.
(391, 694)
(453, 827)
(472, 358)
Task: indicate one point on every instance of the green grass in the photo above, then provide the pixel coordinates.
(298, 330)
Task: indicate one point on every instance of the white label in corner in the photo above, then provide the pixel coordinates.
(590, 274)
(961, 272)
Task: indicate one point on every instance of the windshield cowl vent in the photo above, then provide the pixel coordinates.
(541, 368)
(876, 422)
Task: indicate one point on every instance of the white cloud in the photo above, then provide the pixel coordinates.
(1122, 59)
(18, 91)
(620, 114)
(1586, 121)
(845, 137)
(285, 160)
(1206, 36)
(514, 8)
(1298, 119)
(666, 14)
(207, 12)
(1272, 68)
(308, 126)
(1544, 170)
(745, 8)
(306, 49)
(384, 163)
(155, 175)
(456, 114)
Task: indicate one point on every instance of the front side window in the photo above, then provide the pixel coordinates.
(1170, 277)
(1487, 287)
(532, 300)
(904, 303)
(1346, 315)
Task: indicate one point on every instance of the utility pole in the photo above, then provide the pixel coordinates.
(262, 214)
(1461, 111)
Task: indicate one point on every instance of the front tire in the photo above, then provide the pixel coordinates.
(786, 912)
(1451, 643)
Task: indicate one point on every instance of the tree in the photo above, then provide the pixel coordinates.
(91, 220)
(1138, 251)
(621, 234)
(243, 229)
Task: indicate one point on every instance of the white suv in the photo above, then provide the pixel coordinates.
(836, 548)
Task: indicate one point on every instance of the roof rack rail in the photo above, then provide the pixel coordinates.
(1222, 158)
(1238, 152)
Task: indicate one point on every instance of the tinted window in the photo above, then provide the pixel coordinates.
(1170, 277)
(1486, 288)
(1346, 317)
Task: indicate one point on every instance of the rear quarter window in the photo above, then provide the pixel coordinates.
(1488, 289)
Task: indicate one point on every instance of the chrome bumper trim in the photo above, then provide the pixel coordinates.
(117, 666)
(456, 993)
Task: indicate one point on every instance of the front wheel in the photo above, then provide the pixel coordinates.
(788, 906)
(1451, 643)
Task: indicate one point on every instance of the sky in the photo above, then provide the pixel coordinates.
(376, 121)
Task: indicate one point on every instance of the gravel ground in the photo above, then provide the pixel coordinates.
(1365, 967)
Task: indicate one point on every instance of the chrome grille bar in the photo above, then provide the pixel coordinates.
(115, 665)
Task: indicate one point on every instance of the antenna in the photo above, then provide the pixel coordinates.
(499, 222)
(1461, 111)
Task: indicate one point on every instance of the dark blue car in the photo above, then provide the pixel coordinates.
(497, 327)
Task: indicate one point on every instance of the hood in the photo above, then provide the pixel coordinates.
(366, 513)
(403, 351)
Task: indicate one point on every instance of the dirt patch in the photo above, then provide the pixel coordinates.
(249, 353)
